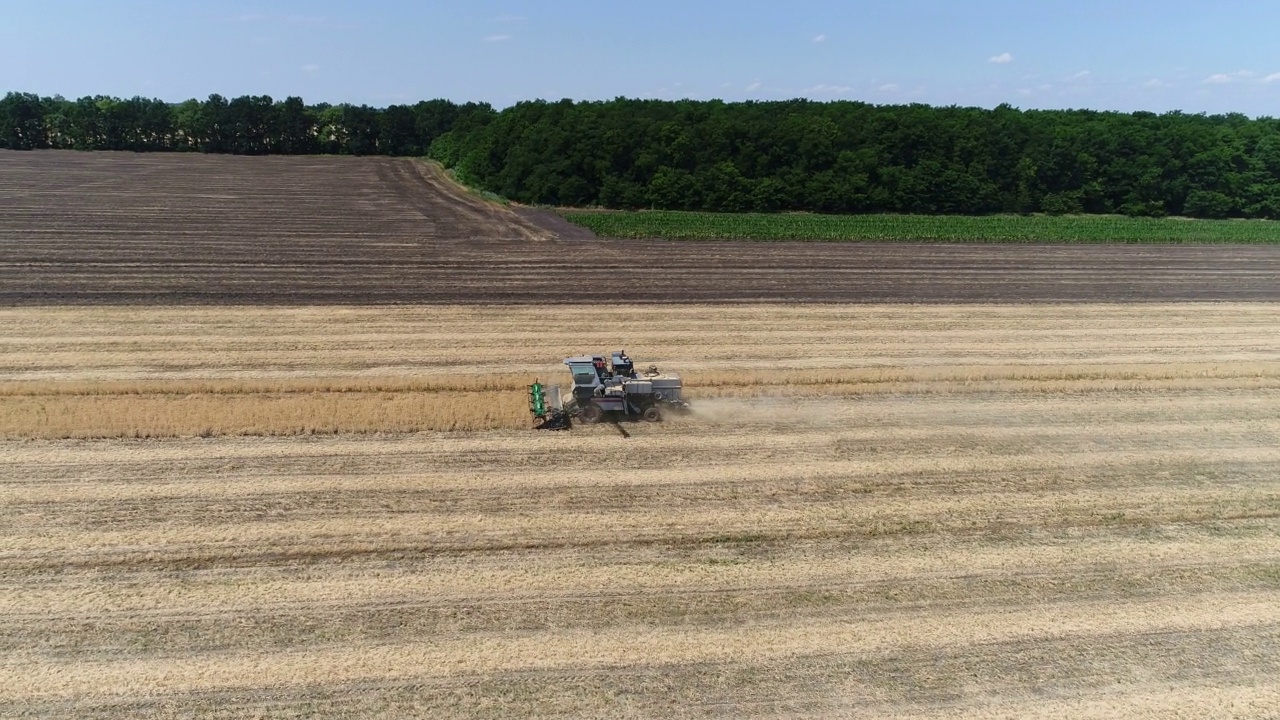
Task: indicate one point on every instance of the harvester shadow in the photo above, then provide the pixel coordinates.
(621, 430)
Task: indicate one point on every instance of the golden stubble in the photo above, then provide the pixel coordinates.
(165, 372)
(1066, 511)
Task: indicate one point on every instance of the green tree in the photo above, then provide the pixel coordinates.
(1209, 204)
(22, 122)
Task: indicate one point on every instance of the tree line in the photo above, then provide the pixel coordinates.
(797, 155)
(249, 125)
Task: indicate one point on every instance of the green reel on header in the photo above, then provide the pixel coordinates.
(537, 400)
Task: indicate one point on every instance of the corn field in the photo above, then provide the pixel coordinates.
(924, 228)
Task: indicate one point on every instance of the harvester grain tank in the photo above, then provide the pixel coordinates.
(611, 390)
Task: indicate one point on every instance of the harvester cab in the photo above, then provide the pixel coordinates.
(603, 390)
(589, 374)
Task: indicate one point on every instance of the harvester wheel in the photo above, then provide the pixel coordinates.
(591, 414)
(651, 414)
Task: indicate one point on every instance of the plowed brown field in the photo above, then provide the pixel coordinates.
(938, 511)
(127, 229)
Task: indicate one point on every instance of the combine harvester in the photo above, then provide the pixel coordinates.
(612, 391)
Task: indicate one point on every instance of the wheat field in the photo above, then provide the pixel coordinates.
(158, 372)
(937, 511)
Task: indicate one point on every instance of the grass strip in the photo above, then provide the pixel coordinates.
(1070, 229)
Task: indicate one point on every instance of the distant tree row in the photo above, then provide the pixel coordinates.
(250, 125)
(841, 157)
(848, 157)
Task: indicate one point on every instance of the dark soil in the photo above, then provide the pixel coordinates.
(115, 228)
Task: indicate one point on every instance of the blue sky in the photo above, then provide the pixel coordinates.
(1117, 55)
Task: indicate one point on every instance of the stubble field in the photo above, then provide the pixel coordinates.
(943, 511)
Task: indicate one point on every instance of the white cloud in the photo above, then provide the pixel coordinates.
(753, 87)
(820, 39)
(1224, 78)
(1273, 77)
(888, 88)
(497, 38)
(310, 68)
(1155, 83)
(824, 89)
(1002, 59)
(1082, 75)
